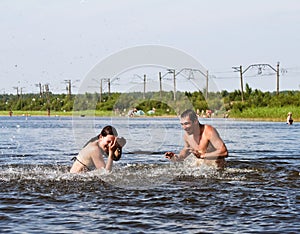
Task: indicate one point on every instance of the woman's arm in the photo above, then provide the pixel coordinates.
(111, 154)
(109, 162)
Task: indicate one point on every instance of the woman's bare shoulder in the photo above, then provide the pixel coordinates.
(92, 147)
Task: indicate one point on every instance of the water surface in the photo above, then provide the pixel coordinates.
(257, 192)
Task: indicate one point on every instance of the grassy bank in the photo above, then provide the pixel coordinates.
(267, 113)
(57, 113)
(259, 113)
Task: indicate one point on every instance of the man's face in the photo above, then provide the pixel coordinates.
(187, 125)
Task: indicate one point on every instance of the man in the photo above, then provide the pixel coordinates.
(92, 155)
(202, 140)
(289, 119)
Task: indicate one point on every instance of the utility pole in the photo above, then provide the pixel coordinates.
(240, 69)
(39, 85)
(68, 88)
(206, 93)
(17, 88)
(47, 90)
(144, 95)
(160, 77)
(174, 82)
(277, 79)
(108, 84)
(144, 83)
(242, 85)
(160, 85)
(21, 96)
(101, 86)
(260, 66)
(101, 89)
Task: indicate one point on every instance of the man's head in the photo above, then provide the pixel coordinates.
(188, 121)
(191, 114)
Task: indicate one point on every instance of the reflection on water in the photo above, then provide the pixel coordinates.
(257, 192)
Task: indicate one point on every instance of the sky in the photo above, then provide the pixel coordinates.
(51, 42)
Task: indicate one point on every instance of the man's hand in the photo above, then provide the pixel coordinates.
(169, 155)
(198, 153)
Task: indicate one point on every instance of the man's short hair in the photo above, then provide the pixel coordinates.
(192, 114)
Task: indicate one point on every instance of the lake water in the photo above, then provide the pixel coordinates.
(257, 192)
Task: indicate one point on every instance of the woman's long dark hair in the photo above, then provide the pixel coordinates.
(108, 130)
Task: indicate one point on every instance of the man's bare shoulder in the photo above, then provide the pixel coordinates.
(209, 130)
(208, 127)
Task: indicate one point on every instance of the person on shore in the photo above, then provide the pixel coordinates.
(289, 119)
(132, 112)
(202, 141)
(91, 156)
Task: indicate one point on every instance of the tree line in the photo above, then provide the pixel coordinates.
(163, 102)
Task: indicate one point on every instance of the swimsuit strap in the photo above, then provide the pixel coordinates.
(75, 158)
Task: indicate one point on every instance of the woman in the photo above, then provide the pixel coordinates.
(92, 155)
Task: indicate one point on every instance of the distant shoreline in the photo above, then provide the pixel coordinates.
(70, 114)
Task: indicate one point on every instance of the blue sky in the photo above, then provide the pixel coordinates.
(49, 42)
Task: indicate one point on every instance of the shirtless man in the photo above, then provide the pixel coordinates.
(289, 119)
(92, 155)
(202, 140)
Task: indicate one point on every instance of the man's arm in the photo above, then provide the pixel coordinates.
(182, 154)
(215, 139)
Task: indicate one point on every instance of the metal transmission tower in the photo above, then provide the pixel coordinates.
(109, 82)
(206, 75)
(69, 86)
(190, 77)
(260, 67)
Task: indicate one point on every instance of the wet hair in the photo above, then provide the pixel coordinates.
(108, 130)
(190, 113)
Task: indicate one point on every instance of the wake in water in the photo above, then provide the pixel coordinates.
(130, 175)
